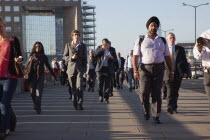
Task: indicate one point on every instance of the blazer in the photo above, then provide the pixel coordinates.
(122, 63)
(79, 64)
(181, 64)
(99, 58)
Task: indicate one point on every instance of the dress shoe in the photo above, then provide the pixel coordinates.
(101, 99)
(34, 107)
(80, 107)
(70, 97)
(164, 97)
(92, 89)
(111, 94)
(88, 89)
(121, 87)
(38, 111)
(107, 101)
(170, 110)
(175, 111)
(146, 116)
(156, 120)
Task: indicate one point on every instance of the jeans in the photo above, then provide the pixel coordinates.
(130, 77)
(8, 87)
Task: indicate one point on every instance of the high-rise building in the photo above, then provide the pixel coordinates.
(47, 21)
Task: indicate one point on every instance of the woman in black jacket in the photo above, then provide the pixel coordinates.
(36, 74)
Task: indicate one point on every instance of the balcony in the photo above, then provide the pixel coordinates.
(88, 7)
(88, 19)
(88, 13)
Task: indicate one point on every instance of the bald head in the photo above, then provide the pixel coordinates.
(131, 52)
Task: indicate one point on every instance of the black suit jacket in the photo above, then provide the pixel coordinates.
(99, 57)
(181, 64)
(122, 63)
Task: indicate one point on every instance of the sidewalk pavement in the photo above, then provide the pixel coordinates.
(122, 119)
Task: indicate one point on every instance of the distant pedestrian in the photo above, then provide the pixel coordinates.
(152, 52)
(129, 70)
(91, 74)
(120, 76)
(75, 54)
(55, 68)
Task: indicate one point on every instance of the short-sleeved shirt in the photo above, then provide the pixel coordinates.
(151, 51)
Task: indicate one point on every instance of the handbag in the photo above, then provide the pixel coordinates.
(19, 69)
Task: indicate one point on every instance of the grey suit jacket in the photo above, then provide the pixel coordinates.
(79, 64)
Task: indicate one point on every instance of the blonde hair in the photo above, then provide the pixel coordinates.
(2, 21)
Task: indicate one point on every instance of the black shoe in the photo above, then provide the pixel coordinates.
(80, 107)
(146, 116)
(175, 111)
(118, 87)
(38, 111)
(170, 110)
(164, 97)
(121, 87)
(34, 107)
(130, 90)
(111, 94)
(134, 88)
(70, 97)
(88, 89)
(101, 99)
(92, 89)
(156, 120)
(107, 101)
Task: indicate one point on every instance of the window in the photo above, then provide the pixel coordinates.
(16, 8)
(16, 29)
(0, 8)
(24, 0)
(7, 8)
(16, 19)
(8, 19)
(8, 29)
(7, 0)
(15, 0)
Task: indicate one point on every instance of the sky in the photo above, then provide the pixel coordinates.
(122, 21)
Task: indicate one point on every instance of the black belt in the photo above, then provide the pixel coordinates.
(153, 64)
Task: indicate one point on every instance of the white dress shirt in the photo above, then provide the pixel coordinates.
(204, 55)
(128, 63)
(172, 48)
(119, 62)
(151, 51)
(76, 47)
(107, 54)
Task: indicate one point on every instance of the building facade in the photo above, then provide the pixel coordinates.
(47, 21)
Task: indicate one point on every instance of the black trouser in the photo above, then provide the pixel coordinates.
(173, 92)
(207, 85)
(76, 83)
(112, 83)
(37, 90)
(151, 79)
(120, 78)
(104, 78)
(91, 79)
(164, 89)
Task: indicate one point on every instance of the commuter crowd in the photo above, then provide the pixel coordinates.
(154, 66)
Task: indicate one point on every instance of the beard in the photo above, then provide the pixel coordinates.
(154, 31)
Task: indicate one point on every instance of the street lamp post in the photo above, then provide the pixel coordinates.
(165, 31)
(184, 4)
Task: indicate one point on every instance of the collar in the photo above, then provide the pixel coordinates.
(147, 36)
(79, 43)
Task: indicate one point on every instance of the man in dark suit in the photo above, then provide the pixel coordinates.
(179, 62)
(105, 57)
(120, 73)
(75, 54)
